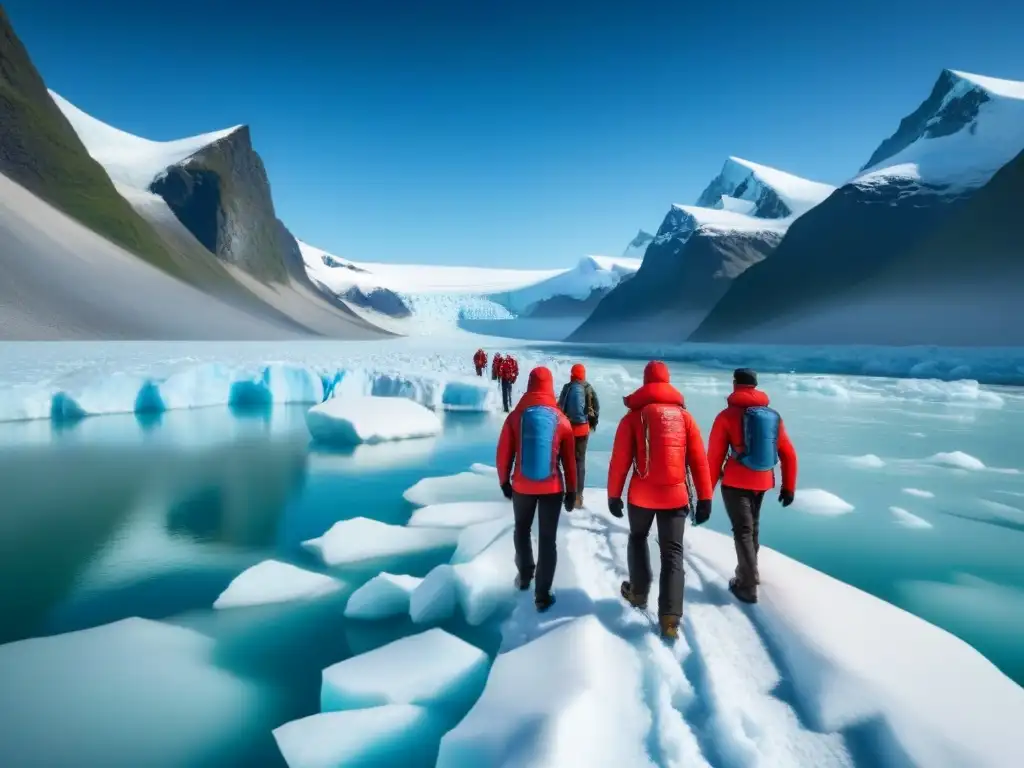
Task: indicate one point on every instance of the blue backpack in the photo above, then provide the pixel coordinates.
(575, 405)
(760, 439)
(537, 430)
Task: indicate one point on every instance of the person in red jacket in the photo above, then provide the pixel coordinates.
(508, 372)
(660, 441)
(496, 365)
(749, 471)
(535, 439)
(480, 362)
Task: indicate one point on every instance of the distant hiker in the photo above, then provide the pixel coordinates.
(578, 402)
(480, 362)
(508, 372)
(496, 365)
(660, 441)
(536, 437)
(755, 439)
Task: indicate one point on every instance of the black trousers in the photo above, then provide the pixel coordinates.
(671, 526)
(506, 395)
(744, 510)
(580, 442)
(525, 509)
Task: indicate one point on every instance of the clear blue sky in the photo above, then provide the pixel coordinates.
(506, 133)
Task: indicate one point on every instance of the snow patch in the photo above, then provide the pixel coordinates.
(820, 502)
(361, 541)
(382, 596)
(867, 461)
(354, 420)
(272, 581)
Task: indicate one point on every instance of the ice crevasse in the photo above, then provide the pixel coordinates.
(250, 387)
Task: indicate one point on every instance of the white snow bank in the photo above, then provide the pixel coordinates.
(354, 420)
(377, 736)
(135, 671)
(479, 587)
(798, 194)
(275, 582)
(919, 493)
(248, 386)
(572, 697)
(956, 460)
(463, 487)
(431, 668)
(867, 461)
(853, 658)
(382, 596)
(908, 519)
(362, 541)
(820, 502)
(460, 514)
(592, 273)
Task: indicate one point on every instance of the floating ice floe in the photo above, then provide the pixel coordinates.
(908, 519)
(384, 595)
(917, 492)
(272, 581)
(867, 461)
(460, 514)
(363, 541)
(449, 489)
(956, 460)
(820, 502)
(432, 668)
(351, 421)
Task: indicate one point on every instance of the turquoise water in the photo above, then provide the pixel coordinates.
(114, 518)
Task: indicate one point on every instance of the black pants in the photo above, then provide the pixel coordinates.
(580, 442)
(479, 371)
(671, 526)
(525, 509)
(744, 509)
(506, 395)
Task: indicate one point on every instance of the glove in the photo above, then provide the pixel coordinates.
(506, 489)
(703, 512)
(569, 502)
(785, 497)
(615, 507)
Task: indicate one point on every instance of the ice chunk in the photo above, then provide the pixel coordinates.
(384, 595)
(465, 486)
(431, 390)
(820, 502)
(956, 460)
(908, 519)
(355, 420)
(474, 539)
(431, 668)
(919, 493)
(460, 514)
(275, 582)
(134, 672)
(867, 461)
(362, 541)
(434, 600)
(278, 383)
(377, 737)
(484, 469)
(547, 703)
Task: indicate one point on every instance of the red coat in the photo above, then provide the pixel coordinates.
(539, 391)
(480, 359)
(728, 431)
(508, 370)
(629, 447)
(496, 362)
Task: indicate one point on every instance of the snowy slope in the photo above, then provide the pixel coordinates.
(757, 190)
(592, 273)
(968, 128)
(638, 245)
(128, 159)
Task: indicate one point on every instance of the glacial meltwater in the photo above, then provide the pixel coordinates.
(911, 490)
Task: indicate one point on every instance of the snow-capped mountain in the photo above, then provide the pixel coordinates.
(916, 182)
(638, 245)
(739, 220)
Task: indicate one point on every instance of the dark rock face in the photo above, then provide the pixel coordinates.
(566, 306)
(381, 300)
(639, 243)
(767, 205)
(195, 199)
(333, 263)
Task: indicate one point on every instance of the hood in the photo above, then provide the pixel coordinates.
(540, 389)
(747, 397)
(656, 389)
(578, 372)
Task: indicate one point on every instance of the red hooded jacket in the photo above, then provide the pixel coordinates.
(508, 370)
(727, 431)
(480, 359)
(496, 362)
(539, 391)
(629, 447)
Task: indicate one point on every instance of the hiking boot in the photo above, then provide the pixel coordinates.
(743, 595)
(523, 582)
(669, 627)
(543, 602)
(579, 501)
(635, 600)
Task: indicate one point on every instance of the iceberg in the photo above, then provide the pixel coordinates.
(956, 460)
(384, 595)
(908, 519)
(377, 737)
(355, 420)
(433, 668)
(820, 502)
(272, 581)
(460, 514)
(362, 541)
(434, 600)
(475, 485)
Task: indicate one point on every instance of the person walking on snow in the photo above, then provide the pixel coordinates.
(535, 439)
(659, 440)
(749, 438)
(508, 372)
(496, 365)
(480, 362)
(578, 402)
